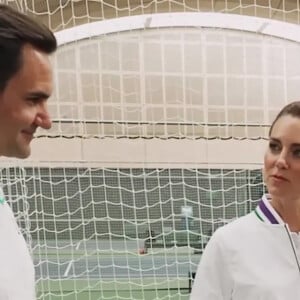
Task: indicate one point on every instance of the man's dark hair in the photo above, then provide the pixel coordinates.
(291, 109)
(16, 30)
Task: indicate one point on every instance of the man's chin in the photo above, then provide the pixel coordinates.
(19, 153)
(24, 154)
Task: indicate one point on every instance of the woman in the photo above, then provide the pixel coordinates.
(257, 256)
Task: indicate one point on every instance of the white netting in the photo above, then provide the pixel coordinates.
(59, 14)
(157, 139)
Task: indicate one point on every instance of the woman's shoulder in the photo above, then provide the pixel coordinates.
(238, 228)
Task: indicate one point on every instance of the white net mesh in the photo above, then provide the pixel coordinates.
(59, 14)
(157, 139)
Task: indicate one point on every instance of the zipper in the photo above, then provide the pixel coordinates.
(293, 246)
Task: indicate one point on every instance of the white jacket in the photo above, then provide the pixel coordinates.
(16, 266)
(253, 258)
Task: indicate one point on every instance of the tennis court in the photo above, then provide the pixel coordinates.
(110, 272)
(161, 111)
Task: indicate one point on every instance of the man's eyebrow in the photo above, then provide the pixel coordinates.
(37, 95)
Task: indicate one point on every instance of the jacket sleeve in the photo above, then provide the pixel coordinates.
(213, 280)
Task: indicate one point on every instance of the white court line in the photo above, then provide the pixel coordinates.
(71, 262)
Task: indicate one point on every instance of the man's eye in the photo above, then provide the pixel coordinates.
(32, 99)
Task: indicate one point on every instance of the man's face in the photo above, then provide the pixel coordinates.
(23, 104)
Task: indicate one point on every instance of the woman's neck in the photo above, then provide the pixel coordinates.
(289, 211)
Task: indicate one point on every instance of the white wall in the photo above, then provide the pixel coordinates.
(147, 153)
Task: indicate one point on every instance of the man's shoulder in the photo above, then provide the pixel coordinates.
(2, 197)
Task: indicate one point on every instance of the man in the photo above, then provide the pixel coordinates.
(25, 86)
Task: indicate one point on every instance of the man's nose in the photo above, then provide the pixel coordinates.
(43, 118)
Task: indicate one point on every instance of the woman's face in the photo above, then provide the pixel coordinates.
(282, 159)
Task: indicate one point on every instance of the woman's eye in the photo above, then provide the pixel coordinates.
(296, 153)
(274, 146)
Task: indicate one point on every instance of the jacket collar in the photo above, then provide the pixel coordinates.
(265, 211)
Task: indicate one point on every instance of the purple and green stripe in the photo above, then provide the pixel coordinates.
(266, 213)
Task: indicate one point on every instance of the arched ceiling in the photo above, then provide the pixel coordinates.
(61, 14)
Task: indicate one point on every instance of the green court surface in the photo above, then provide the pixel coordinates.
(64, 273)
(118, 295)
(95, 290)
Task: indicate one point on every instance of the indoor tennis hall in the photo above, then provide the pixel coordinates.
(161, 111)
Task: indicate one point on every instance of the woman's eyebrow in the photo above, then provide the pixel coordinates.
(295, 145)
(278, 141)
(274, 139)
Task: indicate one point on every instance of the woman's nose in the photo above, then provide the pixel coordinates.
(281, 162)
